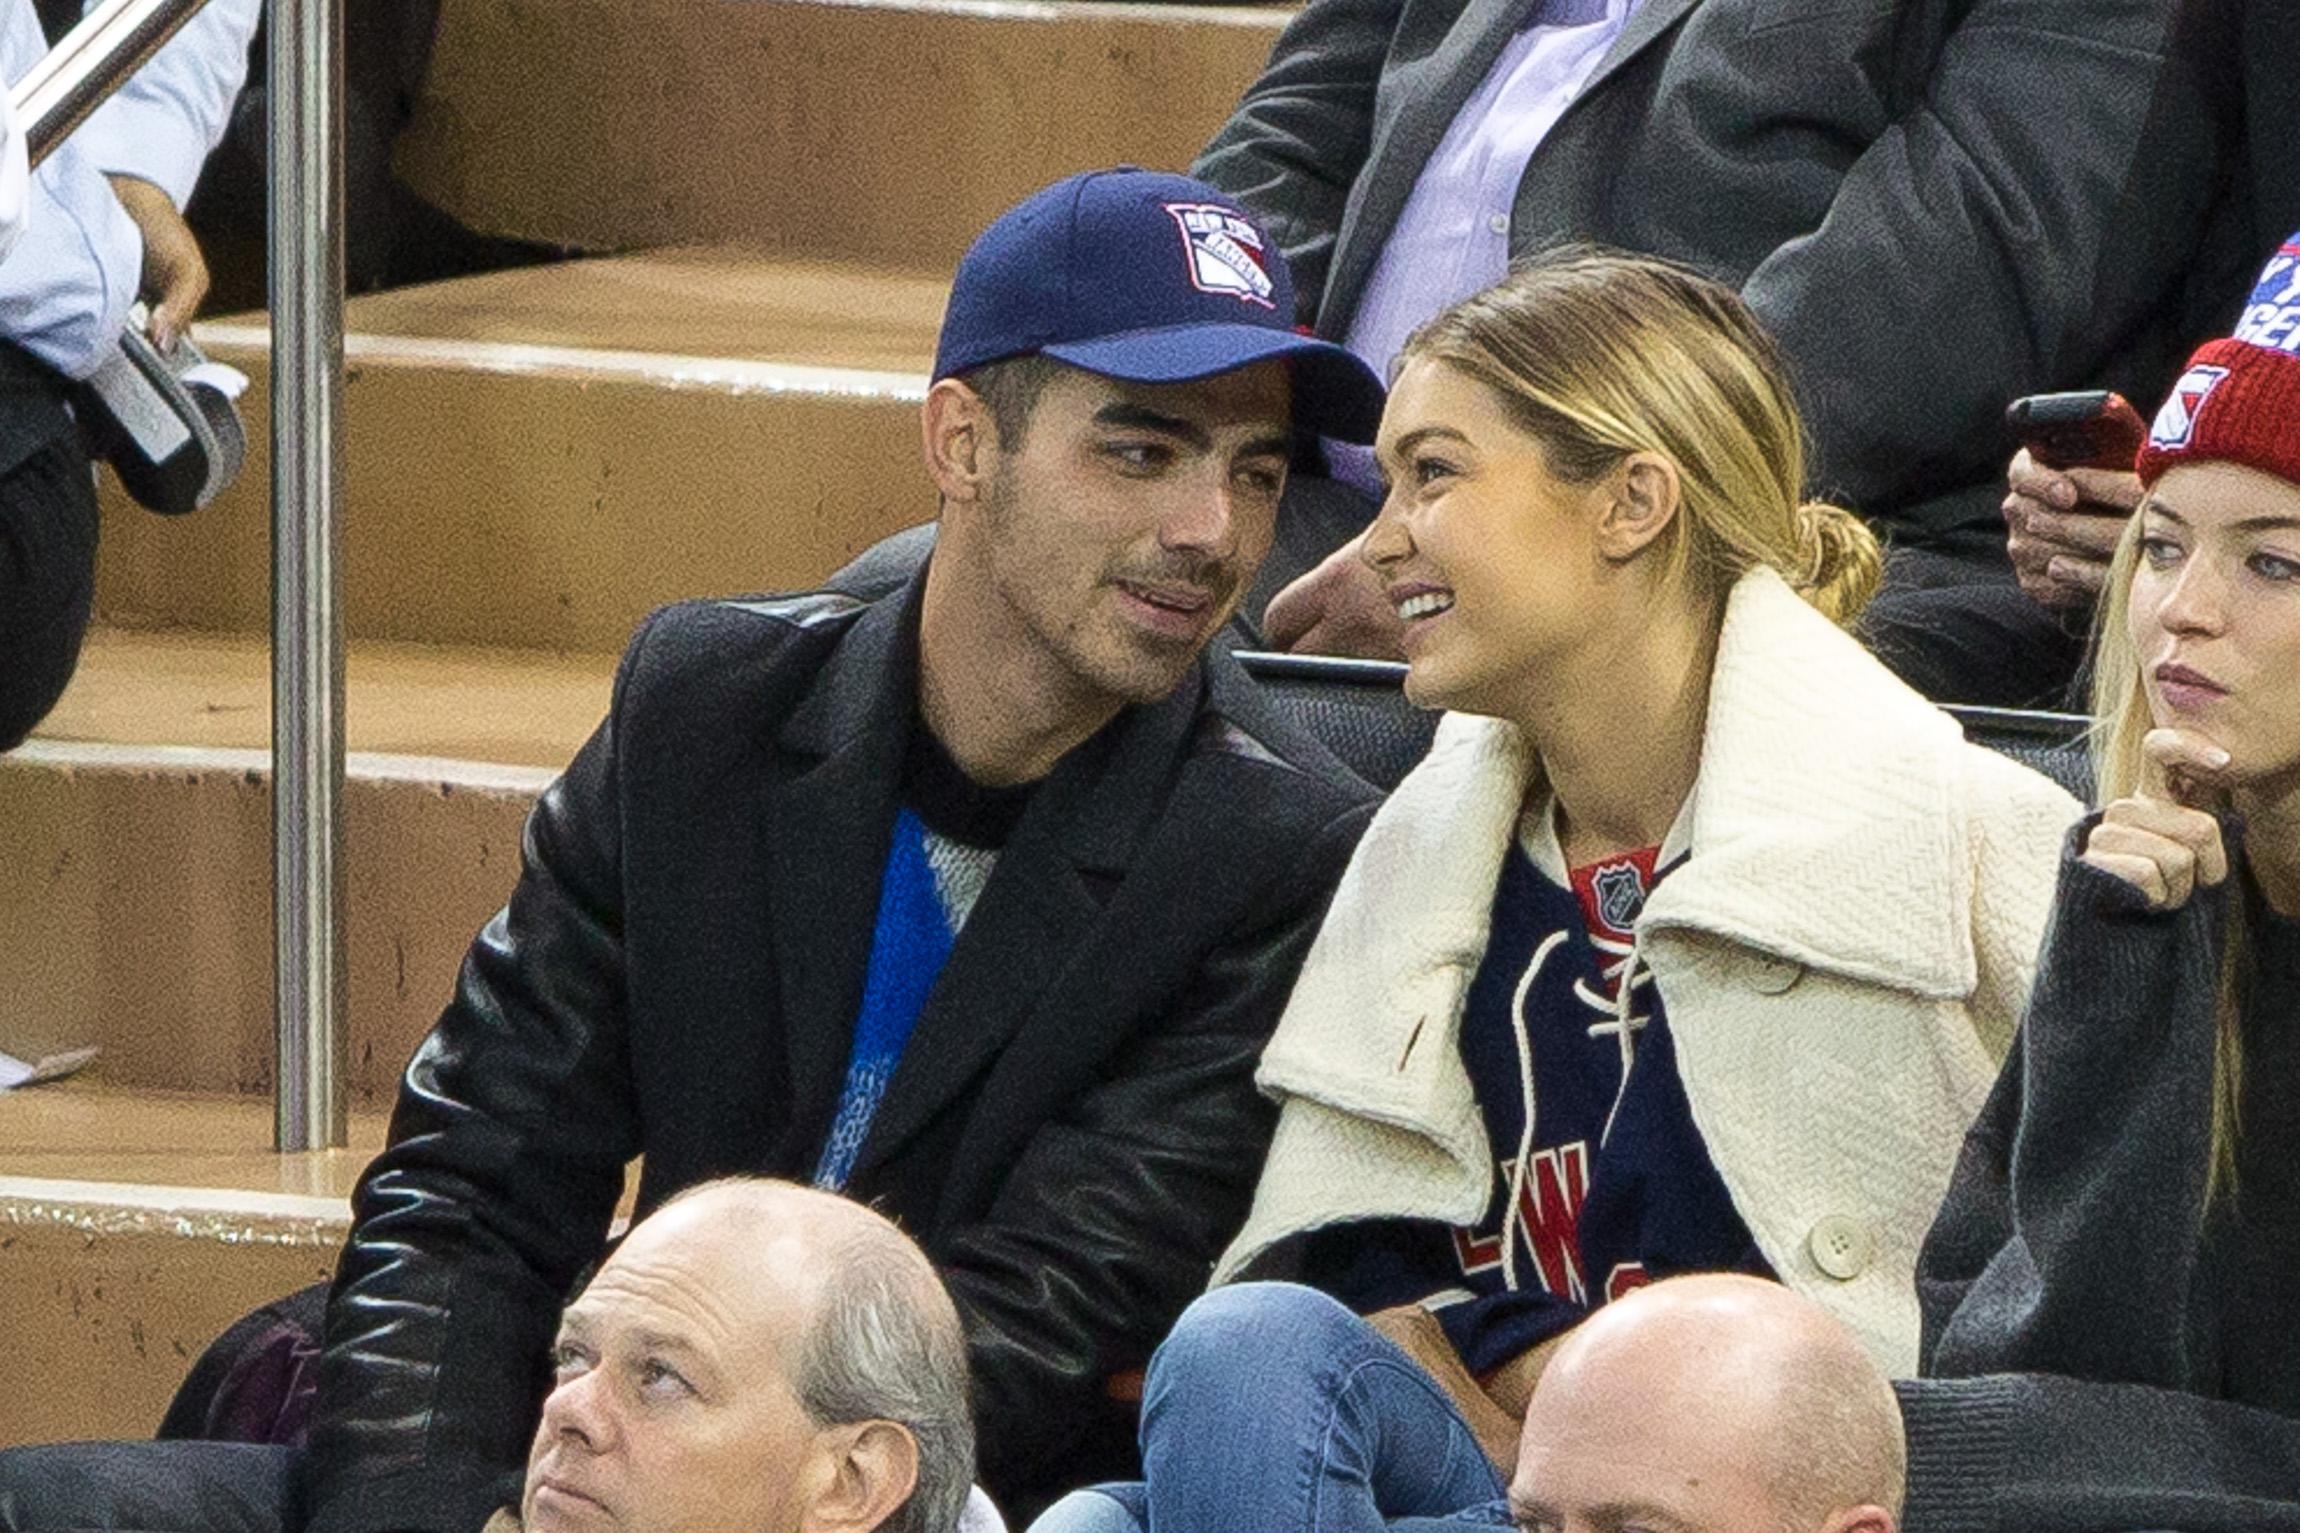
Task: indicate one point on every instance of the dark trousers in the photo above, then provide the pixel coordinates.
(47, 543)
(149, 1487)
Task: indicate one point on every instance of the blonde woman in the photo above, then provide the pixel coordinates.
(1694, 944)
(2112, 1293)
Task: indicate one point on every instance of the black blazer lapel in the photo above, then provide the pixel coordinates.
(1038, 915)
(1648, 23)
(828, 826)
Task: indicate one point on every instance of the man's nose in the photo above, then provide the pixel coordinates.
(578, 1411)
(1203, 518)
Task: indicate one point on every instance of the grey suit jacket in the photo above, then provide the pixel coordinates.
(1937, 205)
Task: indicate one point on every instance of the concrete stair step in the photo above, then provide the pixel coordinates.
(536, 458)
(135, 888)
(525, 708)
(879, 130)
(135, 1227)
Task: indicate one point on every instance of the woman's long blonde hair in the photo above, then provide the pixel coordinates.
(1599, 354)
(2121, 719)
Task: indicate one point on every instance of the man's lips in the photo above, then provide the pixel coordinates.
(559, 1488)
(1173, 609)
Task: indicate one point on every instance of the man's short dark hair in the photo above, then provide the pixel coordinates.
(1010, 388)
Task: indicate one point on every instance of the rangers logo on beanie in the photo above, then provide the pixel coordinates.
(2239, 399)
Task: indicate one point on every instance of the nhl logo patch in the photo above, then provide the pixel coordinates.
(2176, 422)
(1224, 252)
(1620, 895)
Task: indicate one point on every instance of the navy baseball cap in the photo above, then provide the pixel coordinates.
(1149, 277)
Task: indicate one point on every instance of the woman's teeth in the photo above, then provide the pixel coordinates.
(1427, 604)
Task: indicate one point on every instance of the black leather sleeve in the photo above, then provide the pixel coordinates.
(1111, 1222)
(507, 1152)
(1300, 135)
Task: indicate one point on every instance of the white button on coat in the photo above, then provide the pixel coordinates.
(1842, 1246)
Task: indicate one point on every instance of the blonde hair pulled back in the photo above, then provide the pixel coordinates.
(1599, 354)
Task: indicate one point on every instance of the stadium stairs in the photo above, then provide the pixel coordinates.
(722, 399)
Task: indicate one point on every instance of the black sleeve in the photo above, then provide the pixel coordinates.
(1110, 1223)
(2030, 1453)
(2037, 201)
(1300, 135)
(506, 1158)
(2071, 1234)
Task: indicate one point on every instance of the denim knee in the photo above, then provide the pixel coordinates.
(1097, 1509)
(1248, 1333)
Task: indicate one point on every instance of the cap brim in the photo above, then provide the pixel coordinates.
(1335, 394)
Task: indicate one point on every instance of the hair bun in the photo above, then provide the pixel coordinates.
(1839, 562)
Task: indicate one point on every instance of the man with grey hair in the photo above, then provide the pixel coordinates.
(1710, 1405)
(756, 1357)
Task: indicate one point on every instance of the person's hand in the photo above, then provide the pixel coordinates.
(2062, 526)
(175, 273)
(1336, 609)
(2161, 840)
(1418, 1333)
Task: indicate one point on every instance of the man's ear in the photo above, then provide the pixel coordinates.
(873, 1469)
(1862, 1519)
(1643, 496)
(959, 437)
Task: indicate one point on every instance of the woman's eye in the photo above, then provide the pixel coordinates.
(2159, 551)
(1429, 470)
(2275, 567)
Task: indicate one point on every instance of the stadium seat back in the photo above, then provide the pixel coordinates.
(1359, 709)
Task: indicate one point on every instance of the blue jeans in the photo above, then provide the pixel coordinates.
(1272, 1407)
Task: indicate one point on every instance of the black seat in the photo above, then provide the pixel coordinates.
(1359, 709)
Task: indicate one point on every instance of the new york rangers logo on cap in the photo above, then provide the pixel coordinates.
(1224, 252)
(2176, 422)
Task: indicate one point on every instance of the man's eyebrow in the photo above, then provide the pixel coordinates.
(1120, 412)
(1610, 1514)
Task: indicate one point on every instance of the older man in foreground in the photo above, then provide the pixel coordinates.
(756, 1356)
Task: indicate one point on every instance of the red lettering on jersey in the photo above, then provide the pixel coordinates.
(1625, 1278)
(1478, 1253)
(1549, 1207)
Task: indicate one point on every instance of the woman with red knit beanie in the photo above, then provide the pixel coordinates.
(2112, 1290)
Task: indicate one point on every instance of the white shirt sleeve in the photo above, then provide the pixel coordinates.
(66, 287)
(172, 112)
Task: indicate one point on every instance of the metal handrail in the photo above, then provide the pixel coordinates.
(306, 251)
(95, 59)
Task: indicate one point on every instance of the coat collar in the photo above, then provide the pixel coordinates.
(828, 833)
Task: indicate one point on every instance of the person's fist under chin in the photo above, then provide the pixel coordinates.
(1337, 608)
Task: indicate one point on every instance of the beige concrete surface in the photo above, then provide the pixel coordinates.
(135, 888)
(886, 130)
(546, 498)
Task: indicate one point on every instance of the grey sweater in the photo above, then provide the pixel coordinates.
(2101, 1351)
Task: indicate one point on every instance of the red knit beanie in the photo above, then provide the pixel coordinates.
(2239, 400)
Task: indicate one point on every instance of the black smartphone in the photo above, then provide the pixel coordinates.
(2091, 428)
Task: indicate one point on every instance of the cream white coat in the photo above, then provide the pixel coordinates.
(1843, 957)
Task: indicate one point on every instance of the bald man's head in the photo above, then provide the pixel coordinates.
(762, 1358)
(1711, 1405)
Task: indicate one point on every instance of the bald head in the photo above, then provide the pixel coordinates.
(762, 1357)
(1712, 1405)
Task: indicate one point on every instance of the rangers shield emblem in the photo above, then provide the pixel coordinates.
(2176, 422)
(1224, 252)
